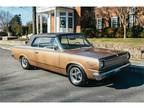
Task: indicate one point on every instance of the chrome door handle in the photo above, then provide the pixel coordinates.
(36, 52)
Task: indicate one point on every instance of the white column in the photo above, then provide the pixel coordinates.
(49, 23)
(41, 24)
(55, 21)
(37, 24)
(58, 22)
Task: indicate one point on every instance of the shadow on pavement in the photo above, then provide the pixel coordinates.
(132, 77)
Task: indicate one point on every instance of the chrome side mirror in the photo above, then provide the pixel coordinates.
(55, 47)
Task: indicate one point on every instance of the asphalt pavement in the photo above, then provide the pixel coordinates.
(19, 85)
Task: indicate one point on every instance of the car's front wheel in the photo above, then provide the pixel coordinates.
(77, 75)
(25, 63)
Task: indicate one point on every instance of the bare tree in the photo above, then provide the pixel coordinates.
(139, 16)
(103, 12)
(34, 19)
(123, 14)
(5, 18)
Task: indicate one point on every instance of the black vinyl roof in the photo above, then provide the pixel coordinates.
(50, 35)
(56, 34)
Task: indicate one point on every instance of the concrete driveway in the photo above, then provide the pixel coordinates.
(18, 85)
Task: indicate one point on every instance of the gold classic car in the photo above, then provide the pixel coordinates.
(70, 54)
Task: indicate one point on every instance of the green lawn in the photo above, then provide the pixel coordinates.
(127, 41)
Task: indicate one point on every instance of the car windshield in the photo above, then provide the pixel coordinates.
(74, 41)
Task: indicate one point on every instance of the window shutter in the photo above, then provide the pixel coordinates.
(109, 22)
(103, 21)
(118, 20)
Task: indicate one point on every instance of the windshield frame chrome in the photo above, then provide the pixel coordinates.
(84, 38)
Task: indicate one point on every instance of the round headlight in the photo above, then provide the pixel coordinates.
(101, 64)
(128, 55)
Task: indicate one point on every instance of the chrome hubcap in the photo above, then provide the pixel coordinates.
(75, 75)
(24, 62)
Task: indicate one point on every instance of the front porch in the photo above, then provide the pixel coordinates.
(55, 20)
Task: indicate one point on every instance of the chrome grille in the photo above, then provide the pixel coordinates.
(118, 60)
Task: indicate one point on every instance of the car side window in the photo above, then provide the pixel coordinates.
(44, 42)
(35, 42)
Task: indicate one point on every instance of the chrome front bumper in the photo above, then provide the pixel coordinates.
(100, 76)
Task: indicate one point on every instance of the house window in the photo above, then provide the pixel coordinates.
(131, 20)
(99, 23)
(62, 13)
(62, 22)
(132, 10)
(114, 22)
(66, 20)
(70, 20)
(62, 19)
(70, 14)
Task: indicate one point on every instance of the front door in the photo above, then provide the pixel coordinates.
(46, 56)
(49, 59)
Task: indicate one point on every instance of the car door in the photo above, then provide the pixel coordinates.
(46, 56)
(32, 51)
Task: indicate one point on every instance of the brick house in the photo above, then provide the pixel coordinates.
(55, 19)
(62, 19)
(107, 17)
(73, 19)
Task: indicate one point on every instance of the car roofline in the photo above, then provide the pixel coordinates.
(50, 35)
(56, 34)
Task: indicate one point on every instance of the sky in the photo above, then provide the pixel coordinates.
(25, 12)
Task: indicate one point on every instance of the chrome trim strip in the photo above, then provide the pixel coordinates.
(116, 69)
(102, 75)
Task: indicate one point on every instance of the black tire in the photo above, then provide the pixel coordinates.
(82, 80)
(25, 63)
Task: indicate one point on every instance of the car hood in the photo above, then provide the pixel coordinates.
(98, 53)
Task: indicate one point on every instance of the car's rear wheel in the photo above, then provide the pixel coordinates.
(77, 75)
(25, 63)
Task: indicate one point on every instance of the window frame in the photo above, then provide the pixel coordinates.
(131, 20)
(34, 41)
(62, 15)
(70, 25)
(44, 47)
(114, 22)
(62, 26)
(83, 37)
(70, 15)
(99, 27)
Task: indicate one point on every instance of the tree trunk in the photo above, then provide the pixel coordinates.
(34, 19)
(124, 31)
